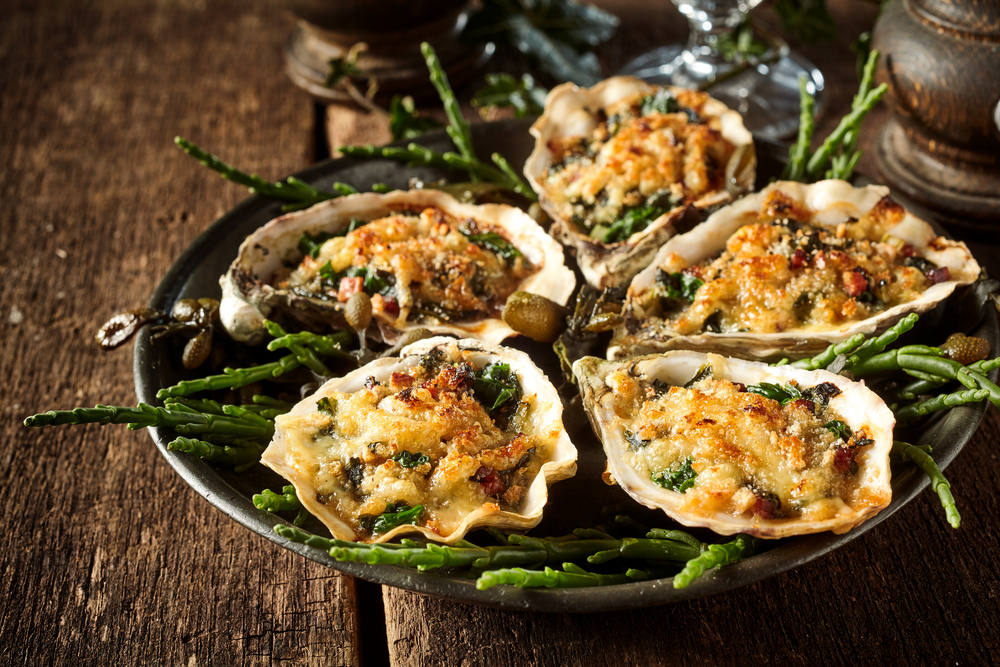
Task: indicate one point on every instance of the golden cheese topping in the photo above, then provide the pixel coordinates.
(779, 272)
(427, 267)
(427, 447)
(733, 451)
(646, 152)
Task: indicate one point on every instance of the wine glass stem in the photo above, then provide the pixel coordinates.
(709, 21)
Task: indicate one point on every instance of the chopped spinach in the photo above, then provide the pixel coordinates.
(310, 245)
(839, 429)
(678, 285)
(703, 373)
(396, 515)
(679, 479)
(662, 101)
(634, 441)
(496, 243)
(822, 392)
(375, 281)
(632, 222)
(327, 406)
(495, 385)
(411, 460)
(783, 394)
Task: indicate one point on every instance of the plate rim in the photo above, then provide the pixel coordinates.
(203, 478)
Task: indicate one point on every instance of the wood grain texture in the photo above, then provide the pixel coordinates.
(110, 558)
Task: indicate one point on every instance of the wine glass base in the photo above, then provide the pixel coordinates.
(767, 95)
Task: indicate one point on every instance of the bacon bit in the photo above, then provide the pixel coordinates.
(401, 379)
(804, 404)
(908, 251)
(390, 306)
(740, 387)
(488, 477)
(855, 283)
(766, 507)
(938, 275)
(371, 382)
(635, 150)
(349, 287)
(456, 379)
(843, 458)
(800, 258)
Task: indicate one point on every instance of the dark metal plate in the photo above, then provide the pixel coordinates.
(573, 503)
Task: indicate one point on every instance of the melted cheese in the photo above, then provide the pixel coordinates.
(630, 160)
(752, 456)
(780, 273)
(433, 271)
(346, 453)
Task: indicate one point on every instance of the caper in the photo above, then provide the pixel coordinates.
(358, 311)
(185, 310)
(534, 316)
(197, 349)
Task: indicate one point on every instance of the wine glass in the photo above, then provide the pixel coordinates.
(763, 88)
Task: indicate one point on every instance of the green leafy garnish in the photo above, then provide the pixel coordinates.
(395, 515)
(503, 90)
(404, 123)
(703, 373)
(678, 285)
(632, 222)
(327, 406)
(310, 245)
(411, 460)
(634, 441)
(680, 479)
(374, 281)
(560, 34)
(662, 101)
(495, 243)
(839, 429)
(495, 385)
(783, 394)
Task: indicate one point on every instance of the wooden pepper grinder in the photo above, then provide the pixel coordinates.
(941, 148)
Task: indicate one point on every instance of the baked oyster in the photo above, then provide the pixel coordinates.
(738, 446)
(450, 436)
(788, 271)
(617, 167)
(426, 260)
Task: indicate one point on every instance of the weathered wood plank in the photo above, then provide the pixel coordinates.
(111, 558)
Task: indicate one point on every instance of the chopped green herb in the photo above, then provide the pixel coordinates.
(634, 441)
(327, 406)
(662, 101)
(411, 460)
(783, 394)
(396, 515)
(495, 385)
(496, 243)
(839, 429)
(633, 222)
(326, 272)
(310, 245)
(680, 479)
(679, 285)
(703, 373)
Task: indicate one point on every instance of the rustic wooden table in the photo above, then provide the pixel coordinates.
(110, 559)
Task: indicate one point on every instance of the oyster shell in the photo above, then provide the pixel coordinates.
(572, 112)
(735, 470)
(250, 294)
(830, 205)
(311, 463)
